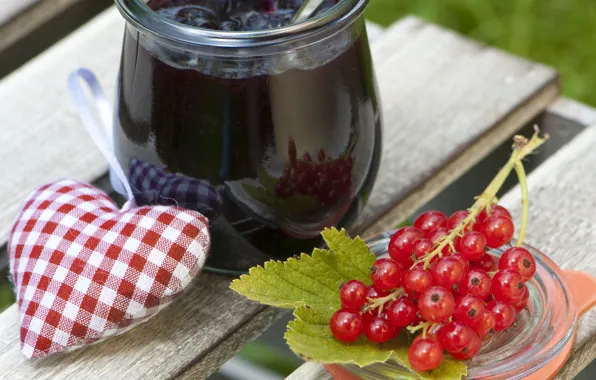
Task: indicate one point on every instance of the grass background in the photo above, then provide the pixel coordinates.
(559, 33)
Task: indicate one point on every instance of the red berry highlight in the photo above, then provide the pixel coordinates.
(497, 229)
(401, 312)
(504, 314)
(425, 354)
(484, 324)
(436, 304)
(421, 248)
(475, 282)
(507, 286)
(468, 309)
(447, 271)
(454, 336)
(472, 245)
(487, 263)
(385, 274)
(456, 219)
(346, 326)
(417, 280)
(519, 260)
(353, 295)
(402, 242)
(496, 210)
(470, 350)
(429, 221)
(378, 330)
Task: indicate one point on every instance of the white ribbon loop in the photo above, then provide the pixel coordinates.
(98, 123)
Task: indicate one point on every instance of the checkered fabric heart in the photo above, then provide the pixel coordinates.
(152, 185)
(85, 270)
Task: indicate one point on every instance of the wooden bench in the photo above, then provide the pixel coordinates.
(29, 26)
(447, 101)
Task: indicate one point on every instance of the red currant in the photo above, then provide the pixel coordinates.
(519, 260)
(447, 272)
(497, 229)
(321, 155)
(417, 280)
(402, 242)
(496, 210)
(425, 354)
(346, 326)
(504, 314)
(464, 262)
(421, 248)
(401, 312)
(470, 350)
(374, 293)
(436, 236)
(429, 221)
(522, 302)
(484, 324)
(472, 245)
(476, 282)
(353, 295)
(454, 336)
(378, 330)
(468, 309)
(487, 263)
(385, 274)
(292, 152)
(436, 304)
(456, 219)
(507, 286)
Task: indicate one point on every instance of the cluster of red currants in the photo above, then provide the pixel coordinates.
(326, 179)
(441, 280)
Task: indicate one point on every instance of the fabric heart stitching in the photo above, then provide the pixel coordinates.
(84, 270)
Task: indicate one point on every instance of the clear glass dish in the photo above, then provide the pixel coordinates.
(540, 333)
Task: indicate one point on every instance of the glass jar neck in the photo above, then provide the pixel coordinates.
(151, 23)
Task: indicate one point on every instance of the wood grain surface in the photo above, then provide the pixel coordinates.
(19, 18)
(562, 224)
(440, 93)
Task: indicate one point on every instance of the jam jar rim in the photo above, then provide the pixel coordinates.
(143, 18)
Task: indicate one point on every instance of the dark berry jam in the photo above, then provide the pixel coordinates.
(271, 149)
(232, 15)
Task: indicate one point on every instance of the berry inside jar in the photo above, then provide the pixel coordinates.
(233, 15)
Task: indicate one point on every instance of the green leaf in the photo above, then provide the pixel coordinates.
(309, 336)
(309, 280)
(310, 285)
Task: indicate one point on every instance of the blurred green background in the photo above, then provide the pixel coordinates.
(559, 33)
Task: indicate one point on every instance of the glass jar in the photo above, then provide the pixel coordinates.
(533, 348)
(272, 134)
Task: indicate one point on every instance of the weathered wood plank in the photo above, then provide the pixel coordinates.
(47, 141)
(21, 18)
(561, 224)
(42, 140)
(428, 71)
(310, 371)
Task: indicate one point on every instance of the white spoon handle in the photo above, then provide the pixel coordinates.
(306, 10)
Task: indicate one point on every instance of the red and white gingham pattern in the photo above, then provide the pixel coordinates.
(84, 270)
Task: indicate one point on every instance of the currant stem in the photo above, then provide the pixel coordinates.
(421, 326)
(521, 148)
(379, 302)
(521, 175)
